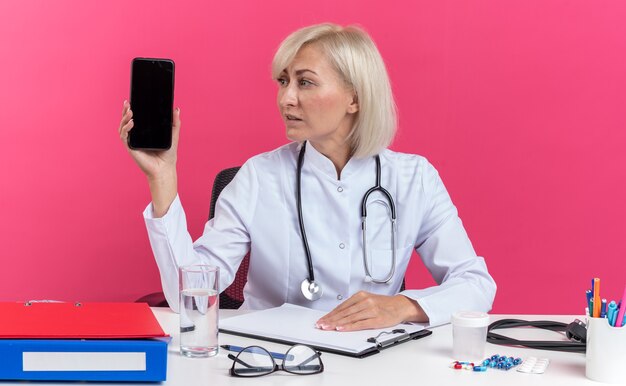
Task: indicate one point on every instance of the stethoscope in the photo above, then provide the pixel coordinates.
(309, 287)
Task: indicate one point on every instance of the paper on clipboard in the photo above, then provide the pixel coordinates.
(296, 324)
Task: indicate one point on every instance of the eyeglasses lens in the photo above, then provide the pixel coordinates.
(302, 360)
(253, 361)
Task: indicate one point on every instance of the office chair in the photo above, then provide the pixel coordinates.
(231, 297)
(155, 299)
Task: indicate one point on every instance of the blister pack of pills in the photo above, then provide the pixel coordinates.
(533, 365)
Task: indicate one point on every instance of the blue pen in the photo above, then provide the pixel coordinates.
(603, 309)
(274, 355)
(612, 308)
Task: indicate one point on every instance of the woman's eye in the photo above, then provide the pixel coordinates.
(282, 81)
(304, 82)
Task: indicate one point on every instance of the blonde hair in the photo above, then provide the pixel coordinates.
(355, 57)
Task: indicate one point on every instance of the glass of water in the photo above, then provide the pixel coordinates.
(199, 304)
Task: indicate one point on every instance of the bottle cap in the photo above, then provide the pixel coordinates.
(470, 319)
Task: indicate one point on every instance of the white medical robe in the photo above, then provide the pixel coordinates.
(257, 212)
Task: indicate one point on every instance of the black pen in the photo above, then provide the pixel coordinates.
(274, 355)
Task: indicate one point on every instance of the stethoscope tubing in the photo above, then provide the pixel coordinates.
(305, 243)
(378, 188)
(310, 289)
(392, 206)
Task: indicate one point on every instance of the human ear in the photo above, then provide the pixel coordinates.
(353, 107)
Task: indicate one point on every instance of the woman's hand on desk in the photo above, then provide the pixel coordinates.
(158, 166)
(365, 310)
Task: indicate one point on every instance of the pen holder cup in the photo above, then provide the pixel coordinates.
(606, 351)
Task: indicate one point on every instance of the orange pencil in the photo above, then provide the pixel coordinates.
(596, 298)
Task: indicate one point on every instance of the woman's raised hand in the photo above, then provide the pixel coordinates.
(152, 163)
(158, 166)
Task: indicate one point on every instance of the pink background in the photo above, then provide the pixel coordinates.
(520, 105)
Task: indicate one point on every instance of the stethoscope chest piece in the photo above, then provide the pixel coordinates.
(311, 290)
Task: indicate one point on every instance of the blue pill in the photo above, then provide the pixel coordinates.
(517, 361)
(508, 366)
(486, 362)
(480, 368)
(494, 357)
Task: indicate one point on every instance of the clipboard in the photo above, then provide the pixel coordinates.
(34, 320)
(291, 324)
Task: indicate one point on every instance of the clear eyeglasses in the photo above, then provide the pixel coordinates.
(254, 361)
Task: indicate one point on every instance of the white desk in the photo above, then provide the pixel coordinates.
(424, 362)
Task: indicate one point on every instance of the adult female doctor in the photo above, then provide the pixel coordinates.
(298, 209)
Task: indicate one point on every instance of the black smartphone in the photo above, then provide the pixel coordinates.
(152, 101)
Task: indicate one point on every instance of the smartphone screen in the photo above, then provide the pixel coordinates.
(151, 99)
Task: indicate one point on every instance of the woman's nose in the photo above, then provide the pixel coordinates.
(288, 96)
